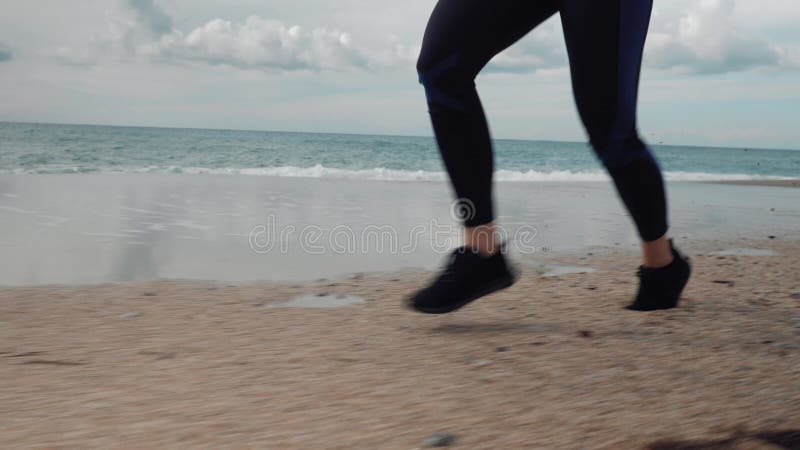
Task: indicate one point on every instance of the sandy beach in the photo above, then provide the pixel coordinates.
(214, 217)
(111, 337)
(553, 362)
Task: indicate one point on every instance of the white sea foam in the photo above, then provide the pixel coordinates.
(503, 175)
(382, 173)
(320, 171)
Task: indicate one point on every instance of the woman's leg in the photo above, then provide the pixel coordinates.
(605, 40)
(460, 38)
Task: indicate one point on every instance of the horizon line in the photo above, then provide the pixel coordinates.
(366, 134)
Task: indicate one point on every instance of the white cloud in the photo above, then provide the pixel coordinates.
(147, 32)
(151, 17)
(260, 43)
(689, 36)
(541, 49)
(706, 37)
(696, 36)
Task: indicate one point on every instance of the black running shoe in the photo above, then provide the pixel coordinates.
(467, 277)
(660, 288)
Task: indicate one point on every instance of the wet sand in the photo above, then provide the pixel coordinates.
(777, 183)
(98, 228)
(553, 362)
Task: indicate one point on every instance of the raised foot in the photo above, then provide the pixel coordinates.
(467, 277)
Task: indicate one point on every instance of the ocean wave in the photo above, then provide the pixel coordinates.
(384, 174)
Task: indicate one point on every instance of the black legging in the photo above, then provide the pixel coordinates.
(604, 38)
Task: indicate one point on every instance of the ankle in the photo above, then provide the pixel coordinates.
(482, 239)
(657, 253)
(658, 263)
(485, 249)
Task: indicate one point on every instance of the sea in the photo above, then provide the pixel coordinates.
(28, 148)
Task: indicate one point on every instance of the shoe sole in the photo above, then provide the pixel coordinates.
(498, 285)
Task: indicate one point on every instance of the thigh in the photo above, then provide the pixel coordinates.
(605, 39)
(470, 32)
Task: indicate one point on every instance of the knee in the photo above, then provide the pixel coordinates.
(433, 70)
(443, 80)
(424, 65)
(615, 150)
(425, 73)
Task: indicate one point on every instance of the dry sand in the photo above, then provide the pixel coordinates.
(550, 363)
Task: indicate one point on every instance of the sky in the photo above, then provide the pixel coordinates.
(715, 72)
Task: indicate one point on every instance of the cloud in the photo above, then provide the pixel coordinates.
(5, 53)
(693, 36)
(145, 31)
(261, 43)
(696, 37)
(706, 39)
(542, 49)
(151, 17)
